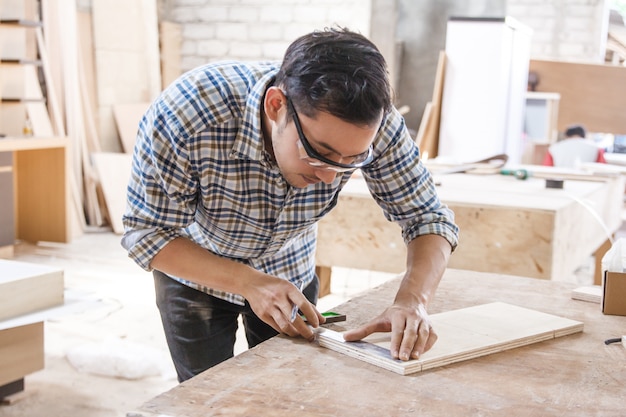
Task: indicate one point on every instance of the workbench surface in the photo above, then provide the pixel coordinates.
(576, 375)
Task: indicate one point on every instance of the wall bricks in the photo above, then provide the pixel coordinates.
(256, 29)
(260, 29)
(568, 30)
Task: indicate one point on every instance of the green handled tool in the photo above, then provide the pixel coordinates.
(331, 317)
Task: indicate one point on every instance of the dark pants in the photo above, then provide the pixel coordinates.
(200, 329)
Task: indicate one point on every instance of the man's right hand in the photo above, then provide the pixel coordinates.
(272, 300)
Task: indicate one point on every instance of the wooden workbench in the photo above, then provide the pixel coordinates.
(576, 375)
(507, 226)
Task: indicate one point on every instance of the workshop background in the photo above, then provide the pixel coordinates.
(80, 334)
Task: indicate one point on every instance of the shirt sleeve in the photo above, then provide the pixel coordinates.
(162, 190)
(403, 187)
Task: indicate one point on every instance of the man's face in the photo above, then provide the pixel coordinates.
(325, 135)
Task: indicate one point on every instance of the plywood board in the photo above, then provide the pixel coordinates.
(170, 42)
(597, 105)
(430, 140)
(42, 192)
(21, 351)
(127, 118)
(592, 294)
(464, 334)
(113, 170)
(26, 287)
(126, 59)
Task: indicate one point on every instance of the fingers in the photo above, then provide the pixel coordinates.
(411, 332)
(412, 340)
(298, 327)
(275, 304)
(362, 332)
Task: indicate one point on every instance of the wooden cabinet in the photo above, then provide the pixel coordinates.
(7, 217)
(42, 194)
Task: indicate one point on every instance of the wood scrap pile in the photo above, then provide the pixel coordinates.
(102, 68)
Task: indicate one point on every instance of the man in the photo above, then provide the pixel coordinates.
(573, 150)
(234, 165)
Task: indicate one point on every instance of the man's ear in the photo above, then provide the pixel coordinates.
(274, 101)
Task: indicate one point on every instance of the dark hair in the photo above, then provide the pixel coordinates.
(338, 72)
(575, 130)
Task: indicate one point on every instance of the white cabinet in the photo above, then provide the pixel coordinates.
(485, 87)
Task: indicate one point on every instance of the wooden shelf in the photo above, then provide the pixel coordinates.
(21, 22)
(31, 143)
(19, 61)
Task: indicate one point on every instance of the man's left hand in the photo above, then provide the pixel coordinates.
(411, 331)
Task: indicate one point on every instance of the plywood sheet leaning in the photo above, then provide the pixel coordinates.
(114, 182)
(127, 118)
(428, 138)
(590, 93)
(26, 287)
(464, 334)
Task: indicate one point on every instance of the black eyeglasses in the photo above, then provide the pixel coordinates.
(313, 158)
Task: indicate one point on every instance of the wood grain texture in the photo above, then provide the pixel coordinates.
(21, 351)
(590, 93)
(575, 375)
(127, 118)
(114, 183)
(592, 294)
(463, 334)
(26, 287)
(506, 226)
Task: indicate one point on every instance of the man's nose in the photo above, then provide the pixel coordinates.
(327, 176)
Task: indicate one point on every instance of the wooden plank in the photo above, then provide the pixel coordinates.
(27, 287)
(170, 43)
(127, 118)
(39, 119)
(18, 9)
(464, 334)
(42, 195)
(429, 142)
(597, 105)
(12, 119)
(21, 351)
(114, 183)
(591, 294)
(424, 126)
(126, 59)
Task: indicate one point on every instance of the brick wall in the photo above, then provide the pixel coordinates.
(255, 29)
(567, 30)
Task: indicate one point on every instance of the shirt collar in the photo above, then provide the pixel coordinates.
(249, 140)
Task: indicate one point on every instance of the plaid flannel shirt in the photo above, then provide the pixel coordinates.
(200, 171)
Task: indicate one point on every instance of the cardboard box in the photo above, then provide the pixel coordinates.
(614, 293)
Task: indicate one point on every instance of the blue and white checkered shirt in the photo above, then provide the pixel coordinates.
(200, 171)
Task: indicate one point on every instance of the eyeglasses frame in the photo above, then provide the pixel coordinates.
(313, 154)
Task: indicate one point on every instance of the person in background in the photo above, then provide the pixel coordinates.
(235, 163)
(573, 150)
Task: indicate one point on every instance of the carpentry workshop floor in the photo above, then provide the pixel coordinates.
(118, 326)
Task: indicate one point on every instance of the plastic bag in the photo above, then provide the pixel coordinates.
(615, 258)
